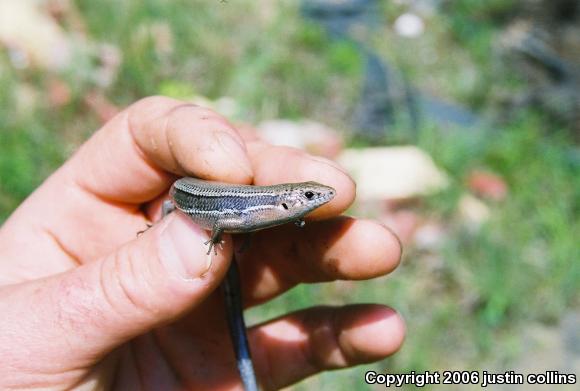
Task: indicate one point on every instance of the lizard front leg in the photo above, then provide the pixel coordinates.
(166, 208)
(216, 235)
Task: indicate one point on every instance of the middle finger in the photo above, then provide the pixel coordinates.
(338, 248)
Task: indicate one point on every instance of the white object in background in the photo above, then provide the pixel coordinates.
(409, 25)
(473, 211)
(388, 173)
(32, 36)
(306, 134)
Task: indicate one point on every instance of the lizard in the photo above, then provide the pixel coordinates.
(230, 208)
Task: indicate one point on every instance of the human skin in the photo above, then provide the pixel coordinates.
(88, 304)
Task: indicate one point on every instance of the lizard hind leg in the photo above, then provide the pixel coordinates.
(216, 236)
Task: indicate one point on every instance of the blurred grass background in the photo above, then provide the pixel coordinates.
(466, 303)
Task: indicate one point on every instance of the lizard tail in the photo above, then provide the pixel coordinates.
(237, 326)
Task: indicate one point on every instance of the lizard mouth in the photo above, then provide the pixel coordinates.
(327, 196)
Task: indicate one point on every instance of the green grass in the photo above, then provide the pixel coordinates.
(30, 148)
(464, 303)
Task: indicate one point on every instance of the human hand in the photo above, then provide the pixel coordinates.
(86, 303)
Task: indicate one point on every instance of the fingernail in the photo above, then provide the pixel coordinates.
(182, 251)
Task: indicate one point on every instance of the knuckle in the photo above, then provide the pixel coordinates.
(125, 290)
(324, 348)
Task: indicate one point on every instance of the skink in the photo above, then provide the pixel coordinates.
(229, 208)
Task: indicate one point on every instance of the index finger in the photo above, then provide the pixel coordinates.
(131, 158)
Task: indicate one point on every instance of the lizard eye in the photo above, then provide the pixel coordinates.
(309, 194)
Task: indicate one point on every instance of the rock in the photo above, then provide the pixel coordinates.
(487, 185)
(429, 236)
(309, 135)
(386, 173)
(409, 25)
(473, 211)
(32, 37)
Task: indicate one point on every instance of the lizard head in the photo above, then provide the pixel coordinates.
(302, 198)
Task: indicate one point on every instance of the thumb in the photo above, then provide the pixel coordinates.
(77, 317)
